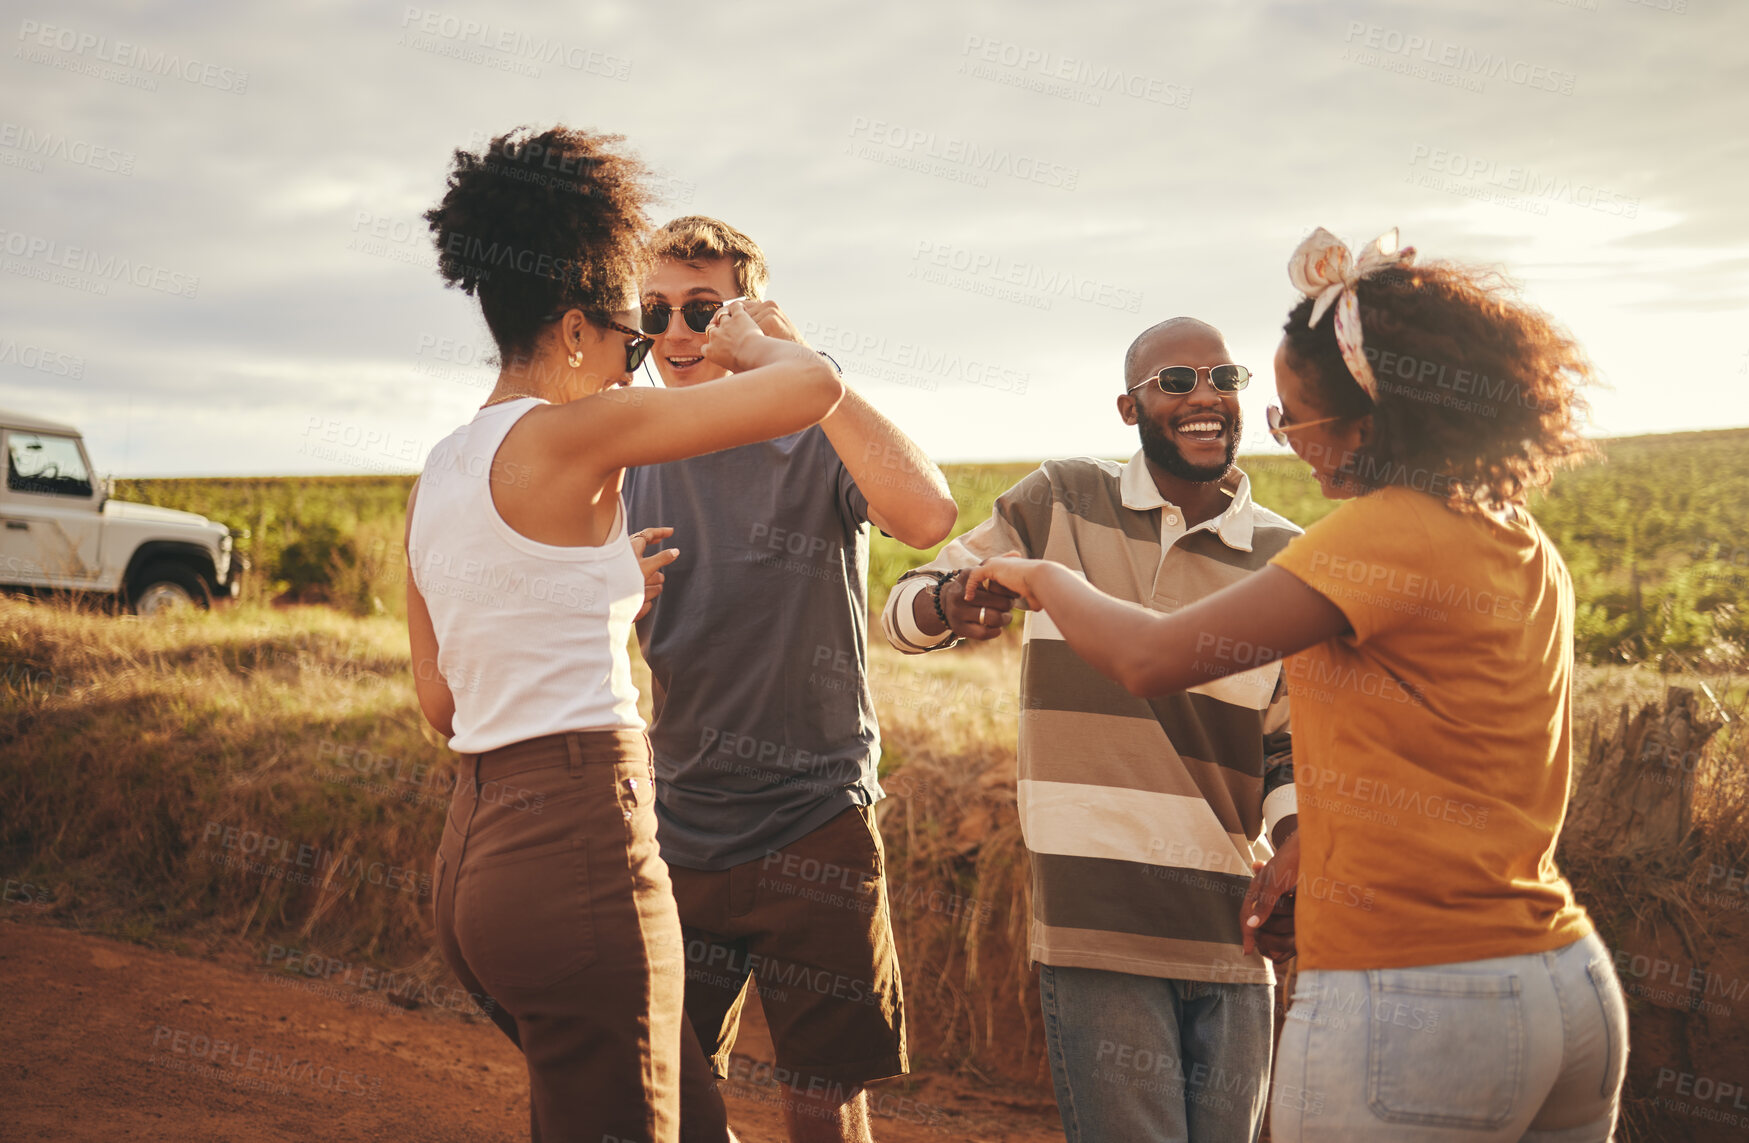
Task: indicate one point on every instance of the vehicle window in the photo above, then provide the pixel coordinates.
(41, 462)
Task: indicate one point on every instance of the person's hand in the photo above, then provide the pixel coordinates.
(1009, 573)
(773, 322)
(732, 339)
(652, 565)
(976, 614)
(1266, 916)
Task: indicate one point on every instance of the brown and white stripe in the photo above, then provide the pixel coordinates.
(1142, 815)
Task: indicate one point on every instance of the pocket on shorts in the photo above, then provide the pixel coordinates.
(876, 848)
(523, 919)
(1615, 1025)
(1444, 1049)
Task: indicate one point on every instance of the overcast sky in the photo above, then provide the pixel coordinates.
(213, 262)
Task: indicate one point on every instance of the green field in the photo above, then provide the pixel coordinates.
(1655, 530)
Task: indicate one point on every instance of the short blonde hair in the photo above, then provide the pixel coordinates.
(695, 238)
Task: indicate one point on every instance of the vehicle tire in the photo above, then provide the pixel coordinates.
(167, 586)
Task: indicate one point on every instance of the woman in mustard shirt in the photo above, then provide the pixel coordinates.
(1450, 988)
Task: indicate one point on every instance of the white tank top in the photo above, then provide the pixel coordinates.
(531, 637)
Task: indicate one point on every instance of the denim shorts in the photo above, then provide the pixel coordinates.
(1530, 1047)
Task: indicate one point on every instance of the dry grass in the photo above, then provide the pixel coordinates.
(130, 747)
(957, 863)
(125, 744)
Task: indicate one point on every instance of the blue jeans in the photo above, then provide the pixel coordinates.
(1528, 1048)
(1139, 1059)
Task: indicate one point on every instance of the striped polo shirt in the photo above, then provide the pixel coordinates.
(1142, 816)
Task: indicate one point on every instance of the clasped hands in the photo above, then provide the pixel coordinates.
(1267, 912)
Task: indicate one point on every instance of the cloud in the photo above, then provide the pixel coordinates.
(1164, 161)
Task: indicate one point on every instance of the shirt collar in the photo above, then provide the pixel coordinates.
(1234, 526)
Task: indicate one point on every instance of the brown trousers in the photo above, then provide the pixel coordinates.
(554, 903)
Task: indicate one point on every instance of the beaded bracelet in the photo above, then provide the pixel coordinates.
(941, 581)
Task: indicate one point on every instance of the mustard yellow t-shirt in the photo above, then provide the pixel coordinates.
(1432, 745)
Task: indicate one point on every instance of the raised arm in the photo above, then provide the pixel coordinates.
(1263, 617)
(777, 387)
(907, 495)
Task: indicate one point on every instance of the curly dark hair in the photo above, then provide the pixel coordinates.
(1479, 392)
(542, 223)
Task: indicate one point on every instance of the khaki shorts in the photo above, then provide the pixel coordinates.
(809, 926)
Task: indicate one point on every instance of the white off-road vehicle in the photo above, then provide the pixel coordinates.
(61, 531)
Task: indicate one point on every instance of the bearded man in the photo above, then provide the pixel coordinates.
(1143, 818)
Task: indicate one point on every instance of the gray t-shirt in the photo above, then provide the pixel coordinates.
(758, 648)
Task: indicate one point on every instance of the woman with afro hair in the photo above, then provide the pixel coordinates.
(1449, 986)
(553, 905)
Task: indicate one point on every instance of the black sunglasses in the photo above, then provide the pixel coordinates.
(1181, 379)
(698, 315)
(637, 348)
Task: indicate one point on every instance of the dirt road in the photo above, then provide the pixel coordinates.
(106, 1040)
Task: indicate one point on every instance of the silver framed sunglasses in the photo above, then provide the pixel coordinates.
(1181, 379)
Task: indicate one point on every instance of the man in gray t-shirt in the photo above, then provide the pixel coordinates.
(766, 746)
(768, 600)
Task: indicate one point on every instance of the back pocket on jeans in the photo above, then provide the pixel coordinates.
(523, 920)
(1615, 1025)
(1443, 1049)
